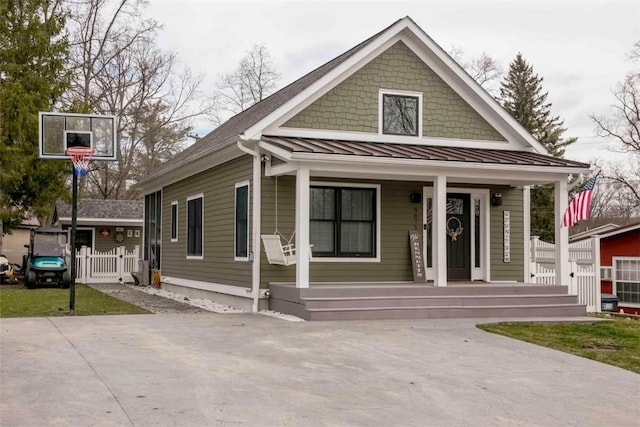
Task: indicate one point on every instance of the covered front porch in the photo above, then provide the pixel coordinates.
(447, 200)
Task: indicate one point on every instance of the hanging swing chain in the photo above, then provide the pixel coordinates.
(290, 239)
(276, 232)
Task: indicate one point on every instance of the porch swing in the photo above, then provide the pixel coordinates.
(276, 252)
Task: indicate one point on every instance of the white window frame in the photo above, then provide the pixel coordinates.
(381, 94)
(174, 221)
(376, 187)
(192, 197)
(235, 207)
(614, 278)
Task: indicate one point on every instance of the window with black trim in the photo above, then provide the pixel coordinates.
(174, 221)
(242, 221)
(400, 114)
(343, 222)
(194, 225)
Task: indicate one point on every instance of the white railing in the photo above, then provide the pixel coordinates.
(584, 265)
(112, 266)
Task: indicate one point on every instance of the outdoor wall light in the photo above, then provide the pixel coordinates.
(496, 199)
(416, 197)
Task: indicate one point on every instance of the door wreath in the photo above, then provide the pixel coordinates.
(456, 230)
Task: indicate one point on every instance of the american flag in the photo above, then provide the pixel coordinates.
(580, 205)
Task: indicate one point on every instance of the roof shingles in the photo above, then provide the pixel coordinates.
(103, 209)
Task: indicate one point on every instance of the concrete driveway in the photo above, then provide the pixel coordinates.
(240, 369)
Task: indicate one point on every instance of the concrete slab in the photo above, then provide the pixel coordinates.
(218, 370)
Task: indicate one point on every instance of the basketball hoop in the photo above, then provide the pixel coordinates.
(80, 156)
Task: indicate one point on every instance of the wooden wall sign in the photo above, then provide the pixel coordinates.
(506, 225)
(417, 258)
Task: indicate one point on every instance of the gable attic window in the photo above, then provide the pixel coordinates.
(400, 113)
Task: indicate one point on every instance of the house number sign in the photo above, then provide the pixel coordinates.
(506, 225)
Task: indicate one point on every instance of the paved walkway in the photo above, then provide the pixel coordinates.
(242, 369)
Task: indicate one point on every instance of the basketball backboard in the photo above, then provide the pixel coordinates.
(59, 131)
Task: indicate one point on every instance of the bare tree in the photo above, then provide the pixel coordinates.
(484, 69)
(253, 80)
(119, 70)
(623, 125)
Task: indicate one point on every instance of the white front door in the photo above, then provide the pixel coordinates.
(478, 230)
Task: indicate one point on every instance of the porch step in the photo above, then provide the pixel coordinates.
(349, 290)
(379, 313)
(435, 301)
(409, 301)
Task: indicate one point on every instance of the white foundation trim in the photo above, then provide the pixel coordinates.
(238, 291)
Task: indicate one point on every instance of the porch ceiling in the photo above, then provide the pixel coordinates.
(420, 161)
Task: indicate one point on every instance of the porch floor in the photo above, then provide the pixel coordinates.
(408, 300)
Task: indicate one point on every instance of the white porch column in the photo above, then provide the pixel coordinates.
(526, 197)
(302, 227)
(439, 218)
(562, 233)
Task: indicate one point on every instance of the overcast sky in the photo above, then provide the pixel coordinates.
(578, 47)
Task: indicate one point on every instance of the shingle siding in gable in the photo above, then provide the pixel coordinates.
(218, 187)
(353, 104)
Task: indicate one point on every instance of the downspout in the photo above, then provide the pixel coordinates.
(255, 229)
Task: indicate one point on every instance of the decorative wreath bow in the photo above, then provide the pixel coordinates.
(454, 232)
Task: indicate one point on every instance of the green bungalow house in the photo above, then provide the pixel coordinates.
(401, 185)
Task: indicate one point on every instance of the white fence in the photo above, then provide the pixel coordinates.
(584, 267)
(112, 266)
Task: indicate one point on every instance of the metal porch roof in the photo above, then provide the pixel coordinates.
(418, 152)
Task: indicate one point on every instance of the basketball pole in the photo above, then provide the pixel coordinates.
(74, 221)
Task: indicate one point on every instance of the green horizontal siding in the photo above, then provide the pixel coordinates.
(512, 200)
(353, 104)
(397, 216)
(218, 187)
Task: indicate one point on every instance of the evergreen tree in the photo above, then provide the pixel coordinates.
(33, 55)
(521, 94)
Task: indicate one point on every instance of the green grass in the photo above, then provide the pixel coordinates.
(17, 301)
(615, 342)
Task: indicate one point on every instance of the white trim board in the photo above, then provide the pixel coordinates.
(238, 291)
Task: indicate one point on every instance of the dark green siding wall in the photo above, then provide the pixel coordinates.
(397, 219)
(353, 104)
(397, 214)
(218, 187)
(512, 200)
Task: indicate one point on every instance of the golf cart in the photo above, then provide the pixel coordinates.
(46, 261)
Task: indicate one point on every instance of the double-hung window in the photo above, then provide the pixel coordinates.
(627, 279)
(174, 221)
(195, 230)
(400, 113)
(242, 221)
(343, 221)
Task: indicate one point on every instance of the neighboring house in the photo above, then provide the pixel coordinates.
(593, 232)
(103, 224)
(620, 265)
(391, 136)
(13, 243)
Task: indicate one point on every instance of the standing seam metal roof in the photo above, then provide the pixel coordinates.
(418, 152)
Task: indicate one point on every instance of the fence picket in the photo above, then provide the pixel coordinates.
(584, 266)
(111, 266)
